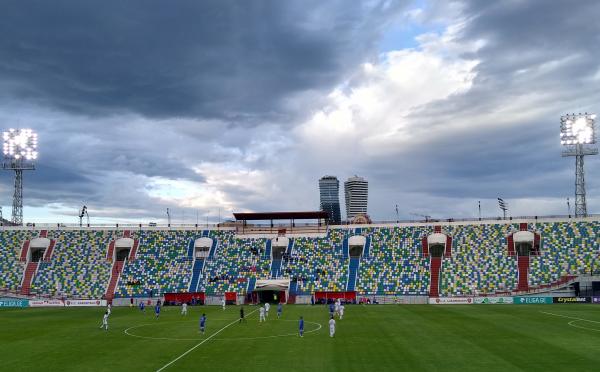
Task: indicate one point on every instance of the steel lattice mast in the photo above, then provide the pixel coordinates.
(577, 134)
(20, 151)
(17, 207)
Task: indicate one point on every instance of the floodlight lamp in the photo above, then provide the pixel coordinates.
(577, 129)
(19, 144)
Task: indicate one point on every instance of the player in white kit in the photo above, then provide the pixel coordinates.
(223, 303)
(105, 321)
(261, 313)
(331, 327)
(184, 308)
(341, 311)
(267, 307)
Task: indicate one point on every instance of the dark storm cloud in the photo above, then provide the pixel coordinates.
(226, 59)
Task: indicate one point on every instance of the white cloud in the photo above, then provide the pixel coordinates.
(371, 116)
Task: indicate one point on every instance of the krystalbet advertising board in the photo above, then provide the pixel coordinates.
(451, 301)
(46, 303)
(85, 302)
(493, 300)
(572, 300)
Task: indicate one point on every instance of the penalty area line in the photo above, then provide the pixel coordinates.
(202, 342)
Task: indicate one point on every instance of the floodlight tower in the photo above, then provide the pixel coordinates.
(20, 152)
(578, 135)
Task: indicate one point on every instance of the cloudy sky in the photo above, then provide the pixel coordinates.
(201, 106)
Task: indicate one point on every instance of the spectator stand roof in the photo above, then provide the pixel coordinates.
(270, 216)
(320, 216)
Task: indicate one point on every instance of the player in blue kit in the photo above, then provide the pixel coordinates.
(279, 310)
(202, 323)
(142, 307)
(157, 310)
(301, 327)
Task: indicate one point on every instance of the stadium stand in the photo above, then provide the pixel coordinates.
(161, 265)
(77, 268)
(235, 263)
(480, 263)
(395, 265)
(11, 265)
(318, 264)
(568, 248)
(393, 261)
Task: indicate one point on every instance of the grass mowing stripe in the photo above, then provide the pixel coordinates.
(203, 341)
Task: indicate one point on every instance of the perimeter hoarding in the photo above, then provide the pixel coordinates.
(13, 302)
(69, 303)
(493, 300)
(532, 300)
(572, 300)
(46, 303)
(451, 301)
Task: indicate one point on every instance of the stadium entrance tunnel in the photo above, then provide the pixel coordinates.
(356, 245)
(272, 297)
(279, 246)
(202, 247)
(271, 290)
(437, 245)
(123, 248)
(526, 243)
(37, 249)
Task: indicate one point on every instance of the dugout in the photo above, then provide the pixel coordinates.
(191, 298)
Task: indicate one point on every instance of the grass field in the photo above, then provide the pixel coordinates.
(369, 338)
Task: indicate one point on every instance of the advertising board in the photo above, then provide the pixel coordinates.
(572, 300)
(85, 302)
(451, 301)
(46, 303)
(493, 300)
(13, 302)
(525, 300)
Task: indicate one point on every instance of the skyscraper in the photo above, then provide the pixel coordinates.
(356, 190)
(329, 189)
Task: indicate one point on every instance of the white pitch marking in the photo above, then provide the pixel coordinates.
(572, 324)
(200, 343)
(570, 317)
(319, 326)
(165, 338)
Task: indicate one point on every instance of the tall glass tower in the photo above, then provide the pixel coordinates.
(357, 194)
(329, 189)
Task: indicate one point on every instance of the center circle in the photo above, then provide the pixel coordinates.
(129, 332)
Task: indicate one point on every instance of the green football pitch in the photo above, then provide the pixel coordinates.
(369, 338)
